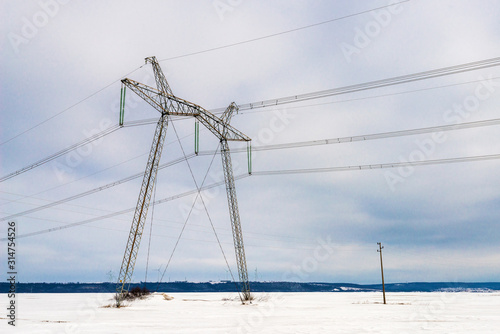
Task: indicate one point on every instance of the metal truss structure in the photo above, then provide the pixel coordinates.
(162, 99)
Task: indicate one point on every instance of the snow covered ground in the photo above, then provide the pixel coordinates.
(353, 312)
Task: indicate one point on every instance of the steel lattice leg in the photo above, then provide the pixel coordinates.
(235, 220)
(141, 211)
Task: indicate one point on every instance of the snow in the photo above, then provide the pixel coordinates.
(347, 312)
(343, 288)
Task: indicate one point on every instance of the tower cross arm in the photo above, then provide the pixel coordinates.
(221, 130)
(161, 101)
(172, 105)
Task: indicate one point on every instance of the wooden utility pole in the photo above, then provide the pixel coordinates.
(380, 247)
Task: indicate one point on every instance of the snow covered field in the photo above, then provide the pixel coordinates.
(353, 312)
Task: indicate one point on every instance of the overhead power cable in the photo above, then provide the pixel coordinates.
(60, 153)
(89, 175)
(374, 84)
(282, 33)
(95, 190)
(289, 99)
(379, 166)
(117, 213)
(374, 136)
(371, 96)
(340, 140)
(314, 95)
(73, 147)
(276, 172)
(218, 111)
(199, 52)
(65, 110)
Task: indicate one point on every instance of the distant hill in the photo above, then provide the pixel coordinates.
(227, 286)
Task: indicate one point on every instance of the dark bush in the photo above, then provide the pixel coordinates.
(137, 292)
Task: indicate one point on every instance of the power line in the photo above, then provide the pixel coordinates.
(342, 90)
(241, 108)
(382, 135)
(379, 166)
(89, 175)
(340, 140)
(296, 239)
(277, 172)
(73, 147)
(370, 97)
(466, 67)
(60, 153)
(87, 209)
(280, 33)
(319, 94)
(315, 95)
(95, 190)
(117, 213)
(306, 245)
(67, 183)
(195, 53)
(65, 110)
(39, 199)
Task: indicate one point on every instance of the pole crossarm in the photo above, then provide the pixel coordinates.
(169, 104)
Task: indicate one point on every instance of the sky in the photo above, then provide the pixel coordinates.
(62, 62)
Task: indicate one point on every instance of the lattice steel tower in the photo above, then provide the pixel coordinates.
(162, 99)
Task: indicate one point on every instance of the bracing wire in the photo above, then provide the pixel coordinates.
(198, 193)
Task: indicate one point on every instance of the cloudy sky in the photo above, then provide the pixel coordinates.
(62, 62)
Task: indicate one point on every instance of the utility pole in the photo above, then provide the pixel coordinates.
(380, 247)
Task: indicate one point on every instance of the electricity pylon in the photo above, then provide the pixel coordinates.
(162, 99)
